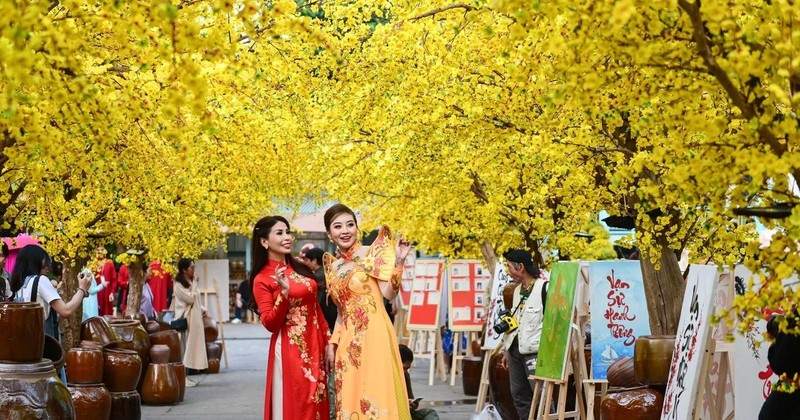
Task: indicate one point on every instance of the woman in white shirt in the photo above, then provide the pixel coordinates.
(32, 263)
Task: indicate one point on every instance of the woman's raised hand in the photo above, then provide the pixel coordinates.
(403, 248)
(280, 277)
(84, 281)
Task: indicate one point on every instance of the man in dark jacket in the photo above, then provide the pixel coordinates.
(313, 258)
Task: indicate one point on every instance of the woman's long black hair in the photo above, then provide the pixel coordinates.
(30, 261)
(183, 264)
(259, 255)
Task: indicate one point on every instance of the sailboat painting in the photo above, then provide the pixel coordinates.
(618, 312)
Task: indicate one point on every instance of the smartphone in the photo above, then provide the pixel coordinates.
(417, 400)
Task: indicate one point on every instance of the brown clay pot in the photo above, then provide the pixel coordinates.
(471, 379)
(131, 335)
(621, 373)
(159, 353)
(85, 366)
(121, 369)
(213, 350)
(87, 344)
(164, 326)
(180, 375)
(126, 406)
(508, 295)
(652, 357)
(22, 338)
(33, 391)
(91, 401)
(170, 338)
(640, 404)
(213, 366)
(97, 329)
(54, 351)
(160, 385)
(139, 316)
(152, 327)
(210, 328)
(500, 387)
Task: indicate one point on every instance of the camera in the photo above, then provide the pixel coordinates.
(506, 324)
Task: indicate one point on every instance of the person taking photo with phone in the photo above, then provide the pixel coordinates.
(521, 340)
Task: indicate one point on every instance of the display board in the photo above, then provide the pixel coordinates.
(690, 344)
(618, 310)
(213, 274)
(426, 294)
(491, 339)
(466, 281)
(558, 317)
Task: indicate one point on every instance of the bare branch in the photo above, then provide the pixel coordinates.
(434, 12)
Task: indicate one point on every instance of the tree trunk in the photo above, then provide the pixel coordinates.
(135, 286)
(663, 288)
(489, 256)
(70, 327)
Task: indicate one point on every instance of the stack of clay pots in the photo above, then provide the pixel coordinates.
(172, 341)
(161, 384)
(91, 398)
(213, 347)
(29, 386)
(122, 364)
(643, 380)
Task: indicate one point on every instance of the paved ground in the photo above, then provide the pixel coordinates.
(237, 392)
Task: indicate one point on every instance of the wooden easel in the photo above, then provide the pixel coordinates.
(213, 291)
(725, 372)
(456, 368)
(400, 322)
(426, 344)
(577, 366)
(483, 390)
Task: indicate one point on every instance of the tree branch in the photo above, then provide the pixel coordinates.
(434, 12)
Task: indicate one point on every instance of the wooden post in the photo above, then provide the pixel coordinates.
(483, 390)
(455, 367)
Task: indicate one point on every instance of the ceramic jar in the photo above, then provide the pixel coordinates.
(139, 316)
(91, 401)
(210, 328)
(652, 356)
(213, 365)
(54, 351)
(500, 387)
(33, 391)
(131, 335)
(160, 385)
(508, 295)
(152, 327)
(22, 338)
(126, 406)
(121, 369)
(85, 365)
(621, 373)
(97, 329)
(159, 354)
(640, 404)
(172, 339)
(180, 375)
(471, 379)
(213, 350)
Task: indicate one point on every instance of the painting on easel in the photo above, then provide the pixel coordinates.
(690, 343)
(619, 312)
(558, 314)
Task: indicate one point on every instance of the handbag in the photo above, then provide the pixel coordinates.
(181, 324)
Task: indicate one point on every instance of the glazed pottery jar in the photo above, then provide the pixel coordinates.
(85, 365)
(471, 379)
(159, 354)
(33, 391)
(213, 365)
(621, 373)
(22, 326)
(213, 350)
(126, 406)
(160, 385)
(210, 328)
(152, 327)
(54, 351)
(97, 329)
(652, 358)
(91, 401)
(640, 404)
(180, 375)
(508, 295)
(87, 344)
(131, 335)
(139, 316)
(500, 387)
(121, 369)
(170, 338)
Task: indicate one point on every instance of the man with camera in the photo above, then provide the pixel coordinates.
(522, 325)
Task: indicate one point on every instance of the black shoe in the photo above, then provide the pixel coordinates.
(193, 372)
